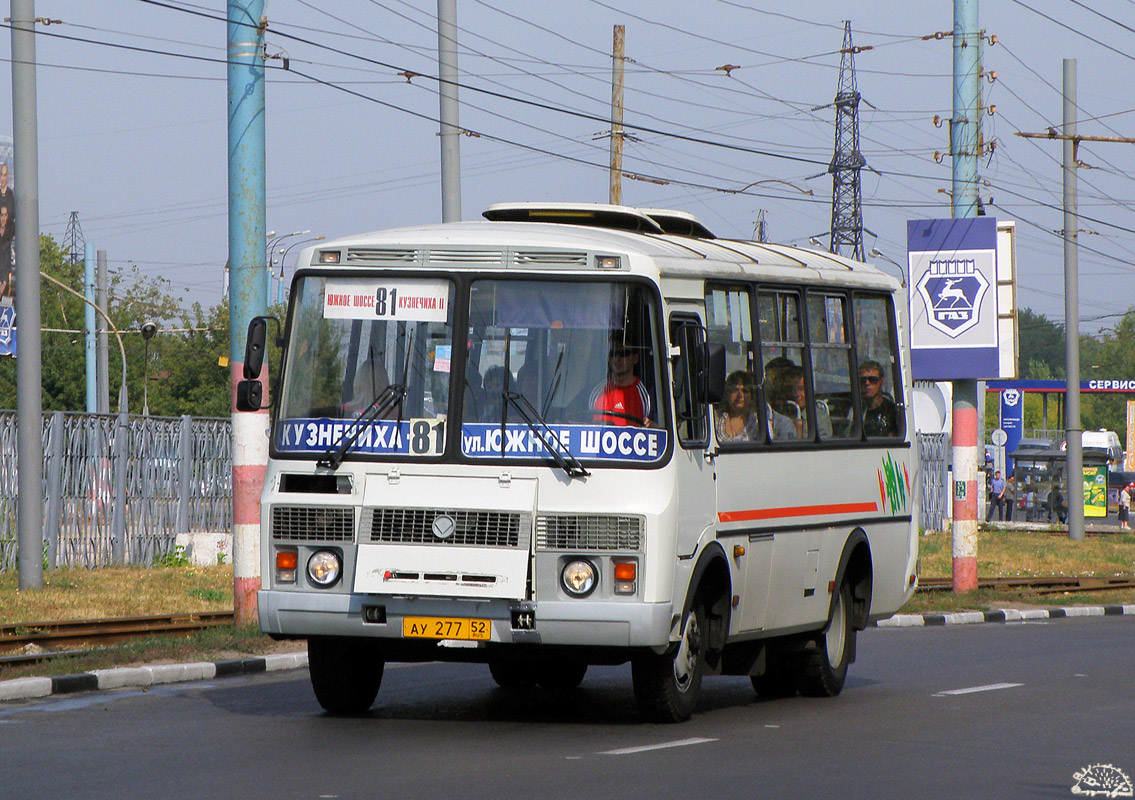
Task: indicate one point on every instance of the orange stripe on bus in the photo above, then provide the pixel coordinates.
(795, 511)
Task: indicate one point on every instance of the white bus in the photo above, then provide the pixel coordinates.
(584, 434)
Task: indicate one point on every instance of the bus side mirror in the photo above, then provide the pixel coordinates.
(249, 395)
(711, 380)
(254, 348)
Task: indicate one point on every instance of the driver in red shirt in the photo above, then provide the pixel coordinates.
(623, 399)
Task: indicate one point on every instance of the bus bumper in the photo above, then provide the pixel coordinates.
(556, 622)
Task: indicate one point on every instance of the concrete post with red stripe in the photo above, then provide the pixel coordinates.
(248, 285)
(964, 420)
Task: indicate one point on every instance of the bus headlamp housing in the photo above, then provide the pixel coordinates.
(579, 577)
(324, 568)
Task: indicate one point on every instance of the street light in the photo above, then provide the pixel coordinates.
(272, 242)
(876, 253)
(149, 328)
(283, 257)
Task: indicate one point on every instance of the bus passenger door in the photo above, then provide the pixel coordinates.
(695, 480)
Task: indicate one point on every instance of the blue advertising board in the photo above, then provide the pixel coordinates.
(7, 330)
(953, 302)
(1012, 421)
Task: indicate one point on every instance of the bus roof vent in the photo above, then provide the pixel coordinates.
(387, 254)
(679, 223)
(561, 258)
(447, 256)
(596, 215)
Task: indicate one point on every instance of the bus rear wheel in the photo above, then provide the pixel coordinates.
(824, 665)
(666, 686)
(345, 673)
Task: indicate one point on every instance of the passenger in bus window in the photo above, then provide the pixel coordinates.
(623, 399)
(734, 418)
(880, 414)
(781, 377)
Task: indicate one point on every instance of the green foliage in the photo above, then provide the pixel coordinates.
(1041, 346)
(209, 595)
(185, 376)
(176, 557)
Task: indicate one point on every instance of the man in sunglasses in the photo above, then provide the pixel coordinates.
(623, 399)
(880, 415)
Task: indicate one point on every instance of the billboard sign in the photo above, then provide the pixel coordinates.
(954, 317)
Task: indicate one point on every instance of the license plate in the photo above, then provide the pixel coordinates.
(446, 628)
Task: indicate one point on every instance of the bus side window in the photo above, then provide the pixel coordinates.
(832, 368)
(729, 322)
(687, 334)
(880, 384)
(784, 367)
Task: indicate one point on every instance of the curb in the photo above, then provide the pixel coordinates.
(140, 677)
(1001, 615)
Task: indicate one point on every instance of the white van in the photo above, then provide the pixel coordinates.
(1105, 441)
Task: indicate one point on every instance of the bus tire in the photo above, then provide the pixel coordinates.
(778, 679)
(560, 676)
(345, 673)
(666, 687)
(513, 674)
(824, 664)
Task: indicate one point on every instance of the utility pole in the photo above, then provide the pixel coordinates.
(248, 289)
(618, 59)
(847, 210)
(964, 139)
(448, 106)
(29, 378)
(89, 337)
(101, 340)
(1073, 430)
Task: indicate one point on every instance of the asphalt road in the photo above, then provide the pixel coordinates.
(972, 711)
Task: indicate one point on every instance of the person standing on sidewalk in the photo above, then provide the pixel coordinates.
(1009, 495)
(996, 497)
(1125, 506)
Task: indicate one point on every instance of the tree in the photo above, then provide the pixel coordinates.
(1041, 346)
(185, 373)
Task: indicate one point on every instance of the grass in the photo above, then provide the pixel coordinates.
(131, 591)
(1012, 554)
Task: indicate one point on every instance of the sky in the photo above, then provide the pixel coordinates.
(727, 107)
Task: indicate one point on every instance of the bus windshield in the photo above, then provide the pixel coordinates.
(544, 364)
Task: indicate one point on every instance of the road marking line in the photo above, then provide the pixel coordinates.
(991, 687)
(625, 751)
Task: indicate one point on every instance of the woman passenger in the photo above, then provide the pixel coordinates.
(734, 418)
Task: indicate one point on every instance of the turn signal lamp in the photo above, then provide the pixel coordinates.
(608, 262)
(286, 563)
(328, 256)
(625, 574)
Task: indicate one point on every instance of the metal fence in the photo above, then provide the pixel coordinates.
(118, 489)
(933, 480)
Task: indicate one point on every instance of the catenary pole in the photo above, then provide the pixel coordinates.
(248, 286)
(963, 148)
(1073, 431)
(29, 403)
(448, 108)
(102, 342)
(89, 338)
(618, 60)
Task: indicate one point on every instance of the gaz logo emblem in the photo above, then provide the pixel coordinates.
(952, 290)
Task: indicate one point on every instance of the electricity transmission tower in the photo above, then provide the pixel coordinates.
(73, 240)
(847, 212)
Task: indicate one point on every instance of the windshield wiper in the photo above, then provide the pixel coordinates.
(565, 460)
(385, 400)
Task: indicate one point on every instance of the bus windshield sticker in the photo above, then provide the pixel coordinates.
(612, 443)
(419, 437)
(443, 357)
(385, 299)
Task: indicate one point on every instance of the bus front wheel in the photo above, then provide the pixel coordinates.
(667, 686)
(824, 666)
(345, 673)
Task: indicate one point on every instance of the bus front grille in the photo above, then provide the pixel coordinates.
(588, 532)
(416, 526)
(313, 523)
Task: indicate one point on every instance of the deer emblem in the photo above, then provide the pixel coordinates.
(951, 292)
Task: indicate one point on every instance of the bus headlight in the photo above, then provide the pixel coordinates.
(324, 568)
(578, 577)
